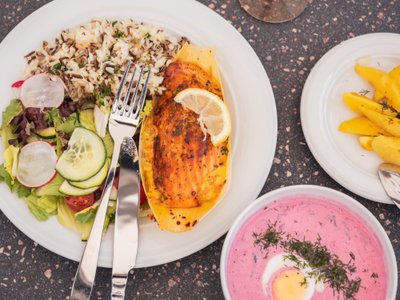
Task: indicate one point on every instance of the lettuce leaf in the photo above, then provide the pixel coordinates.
(10, 156)
(66, 217)
(51, 189)
(14, 186)
(48, 203)
(87, 214)
(5, 177)
(12, 110)
(64, 124)
(6, 135)
(42, 207)
(86, 118)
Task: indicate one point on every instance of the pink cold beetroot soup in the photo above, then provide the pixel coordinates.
(306, 247)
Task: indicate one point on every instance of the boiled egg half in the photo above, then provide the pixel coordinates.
(283, 279)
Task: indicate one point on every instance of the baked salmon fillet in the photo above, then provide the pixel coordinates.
(183, 173)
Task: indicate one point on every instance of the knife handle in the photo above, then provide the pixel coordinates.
(118, 285)
(126, 227)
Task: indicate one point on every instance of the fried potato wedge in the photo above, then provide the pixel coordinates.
(183, 173)
(366, 142)
(388, 148)
(354, 101)
(362, 126)
(382, 82)
(395, 74)
(389, 124)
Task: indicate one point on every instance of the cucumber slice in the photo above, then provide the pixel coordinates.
(70, 190)
(47, 133)
(96, 180)
(85, 156)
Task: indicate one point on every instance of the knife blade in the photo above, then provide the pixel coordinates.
(126, 230)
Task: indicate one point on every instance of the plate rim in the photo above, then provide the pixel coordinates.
(307, 125)
(268, 156)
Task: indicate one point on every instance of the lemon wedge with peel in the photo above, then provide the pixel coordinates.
(213, 114)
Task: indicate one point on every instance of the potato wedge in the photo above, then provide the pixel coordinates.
(366, 142)
(395, 74)
(361, 125)
(354, 101)
(389, 124)
(378, 96)
(388, 148)
(382, 82)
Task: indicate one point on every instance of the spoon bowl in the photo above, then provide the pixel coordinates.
(389, 174)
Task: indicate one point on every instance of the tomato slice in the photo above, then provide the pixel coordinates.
(78, 203)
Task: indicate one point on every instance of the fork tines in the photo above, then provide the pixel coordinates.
(131, 104)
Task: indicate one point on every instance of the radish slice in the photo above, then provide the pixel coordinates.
(17, 84)
(36, 164)
(42, 90)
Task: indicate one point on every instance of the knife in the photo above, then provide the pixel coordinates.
(126, 230)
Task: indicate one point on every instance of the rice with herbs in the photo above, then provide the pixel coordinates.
(90, 58)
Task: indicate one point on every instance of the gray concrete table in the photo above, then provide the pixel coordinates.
(288, 52)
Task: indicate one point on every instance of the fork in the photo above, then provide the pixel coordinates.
(123, 122)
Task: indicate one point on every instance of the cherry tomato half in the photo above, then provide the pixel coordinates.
(78, 203)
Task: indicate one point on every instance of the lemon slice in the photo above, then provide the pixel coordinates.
(213, 113)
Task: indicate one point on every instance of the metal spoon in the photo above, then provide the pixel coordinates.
(389, 175)
(274, 11)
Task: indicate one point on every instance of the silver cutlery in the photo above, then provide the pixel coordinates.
(126, 230)
(123, 122)
(389, 175)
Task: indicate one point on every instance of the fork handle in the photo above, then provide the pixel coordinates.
(85, 275)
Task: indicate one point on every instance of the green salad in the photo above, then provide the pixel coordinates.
(68, 186)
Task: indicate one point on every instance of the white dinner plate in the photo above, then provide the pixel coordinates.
(248, 95)
(322, 110)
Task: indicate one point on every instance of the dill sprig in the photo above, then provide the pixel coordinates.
(364, 92)
(325, 266)
(271, 237)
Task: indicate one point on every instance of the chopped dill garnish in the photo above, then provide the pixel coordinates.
(385, 105)
(325, 266)
(374, 275)
(364, 92)
(147, 35)
(113, 23)
(271, 237)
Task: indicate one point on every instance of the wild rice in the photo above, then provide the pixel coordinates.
(90, 58)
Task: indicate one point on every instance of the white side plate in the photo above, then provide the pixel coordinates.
(322, 110)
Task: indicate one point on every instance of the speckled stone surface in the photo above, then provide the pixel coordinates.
(288, 52)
